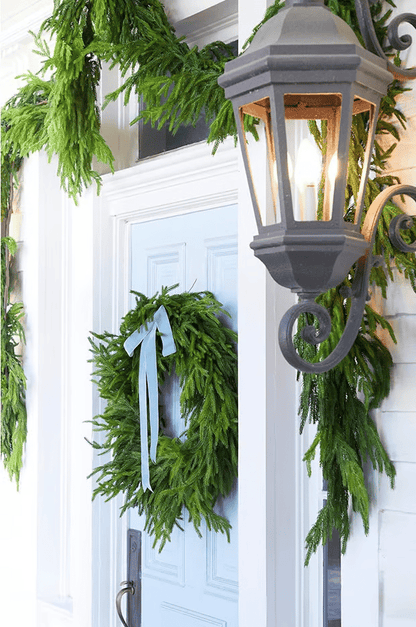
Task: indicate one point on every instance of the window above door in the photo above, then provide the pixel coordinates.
(200, 22)
(213, 23)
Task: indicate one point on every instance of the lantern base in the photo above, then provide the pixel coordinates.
(357, 294)
(310, 259)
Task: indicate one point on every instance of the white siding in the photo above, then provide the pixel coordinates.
(379, 571)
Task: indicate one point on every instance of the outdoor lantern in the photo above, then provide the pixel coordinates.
(295, 91)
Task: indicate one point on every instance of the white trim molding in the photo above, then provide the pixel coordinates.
(180, 181)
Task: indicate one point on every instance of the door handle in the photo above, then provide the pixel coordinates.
(133, 585)
(129, 588)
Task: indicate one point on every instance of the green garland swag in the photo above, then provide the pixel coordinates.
(13, 420)
(178, 84)
(189, 472)
(13, 423)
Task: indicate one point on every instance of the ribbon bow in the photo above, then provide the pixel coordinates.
(148, 379)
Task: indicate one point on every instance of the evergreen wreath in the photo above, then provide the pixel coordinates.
(189, 472)
(58, 111)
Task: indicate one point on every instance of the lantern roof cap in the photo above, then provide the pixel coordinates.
(304, 43)
(304, 22)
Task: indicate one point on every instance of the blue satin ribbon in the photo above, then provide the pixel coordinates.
(148, 381)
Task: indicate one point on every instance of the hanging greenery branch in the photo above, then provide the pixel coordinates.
(346, 435)
(13, 426)
(190, 471)
(13, 421)
(60, 114)
(339, 402)
(17, 141)
(73, 119)
(177, 83)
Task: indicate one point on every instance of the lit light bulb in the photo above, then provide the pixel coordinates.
(289, 166)
(308, 165)
(308, 169)
(274, 174)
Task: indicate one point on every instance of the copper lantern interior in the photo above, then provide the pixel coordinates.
(312, 124)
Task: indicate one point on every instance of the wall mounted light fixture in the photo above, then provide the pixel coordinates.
(306, 64)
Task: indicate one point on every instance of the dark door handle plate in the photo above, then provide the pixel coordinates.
(133, 583)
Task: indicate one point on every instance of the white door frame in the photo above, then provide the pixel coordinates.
(185, 180)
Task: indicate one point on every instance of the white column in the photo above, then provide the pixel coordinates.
(46, 527)
(268, 547)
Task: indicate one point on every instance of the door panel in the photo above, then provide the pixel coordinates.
(193, 581)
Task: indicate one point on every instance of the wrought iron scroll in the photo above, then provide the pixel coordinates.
(358, 292)
(397, 42)
(396, 225)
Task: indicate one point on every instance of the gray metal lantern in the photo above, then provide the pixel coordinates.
(298, 86)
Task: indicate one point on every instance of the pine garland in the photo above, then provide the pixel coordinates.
(60, 114)
(13, 421)
(346, 433)
(339, 402)
(189, 473)
(13, 425)
(178, 84)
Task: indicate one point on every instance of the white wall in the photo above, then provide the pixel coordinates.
(379, 571)
(46, 527)
(18, 514)
(397, 421)
(17, 58)
(45, 539)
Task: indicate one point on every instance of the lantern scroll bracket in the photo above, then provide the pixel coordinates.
(397, 42)
(358, 292)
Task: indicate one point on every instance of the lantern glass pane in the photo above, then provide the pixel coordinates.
(312, 129)
(363, 121)
(259, 151)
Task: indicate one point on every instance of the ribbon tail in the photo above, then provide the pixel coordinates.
(144, 452)
(153, 394)
(148, 383)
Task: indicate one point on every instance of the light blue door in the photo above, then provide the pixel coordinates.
(193, 581)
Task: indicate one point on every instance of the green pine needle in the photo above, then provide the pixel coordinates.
(13, 425)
